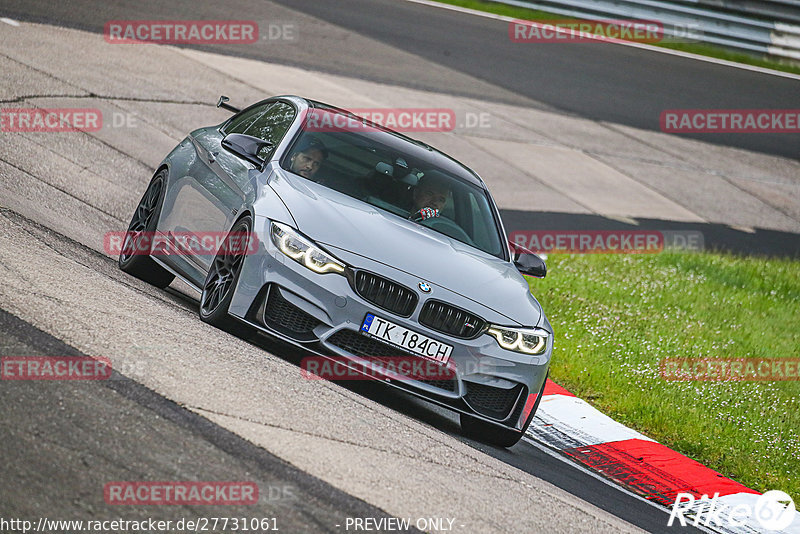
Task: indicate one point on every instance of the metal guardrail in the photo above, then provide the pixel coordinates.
(764, 27)
(787, 11)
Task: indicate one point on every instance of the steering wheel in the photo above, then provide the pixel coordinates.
(448, 228)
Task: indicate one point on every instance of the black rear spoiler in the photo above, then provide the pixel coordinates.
(223, 103)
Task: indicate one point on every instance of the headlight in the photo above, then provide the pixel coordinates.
(524, 340)
(303, 251)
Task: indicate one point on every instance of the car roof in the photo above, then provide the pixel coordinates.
(470, 174)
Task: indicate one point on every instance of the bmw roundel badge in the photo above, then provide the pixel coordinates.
(425, 288)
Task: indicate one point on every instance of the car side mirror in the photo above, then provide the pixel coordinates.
(247, 147)
(528, 262)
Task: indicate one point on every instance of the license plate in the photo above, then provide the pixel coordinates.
(406, 339)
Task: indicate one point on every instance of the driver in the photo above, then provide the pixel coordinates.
(429, 196)
(308, 157)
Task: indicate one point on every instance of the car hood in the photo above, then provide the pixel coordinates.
(332, 218)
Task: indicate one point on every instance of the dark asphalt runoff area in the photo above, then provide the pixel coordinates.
(602, 81)
(715, 236)
(62, 441)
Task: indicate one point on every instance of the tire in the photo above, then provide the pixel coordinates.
(143, 222)
(221, 281)
(480, 430)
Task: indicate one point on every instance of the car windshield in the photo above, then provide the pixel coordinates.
(396, 174)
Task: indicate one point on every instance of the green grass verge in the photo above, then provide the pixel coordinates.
(617, 316)
(695, 48)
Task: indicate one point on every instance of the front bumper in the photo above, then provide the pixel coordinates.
(323, 313)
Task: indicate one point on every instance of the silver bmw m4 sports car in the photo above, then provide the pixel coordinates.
(374, 252)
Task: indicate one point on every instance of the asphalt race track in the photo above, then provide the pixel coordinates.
(54, 457)
(189, 402)
(600, 82)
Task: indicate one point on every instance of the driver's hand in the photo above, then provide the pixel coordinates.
(425, 213)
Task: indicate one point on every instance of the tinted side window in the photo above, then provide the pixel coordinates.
(272, 125)
(244, 120)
